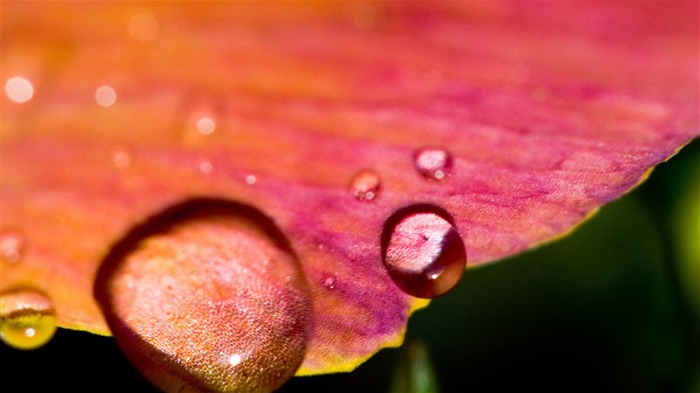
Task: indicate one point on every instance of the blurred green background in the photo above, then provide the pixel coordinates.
(615, 307)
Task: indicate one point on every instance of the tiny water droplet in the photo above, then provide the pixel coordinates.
(433, 163)
(12, 243)
(365, 185)
(191, 301)
(105, 96)
(205, 167)
(19, 89)
(206, 125)
(121, 158)
(329, 282)
(422, 251)
(251, 179)
(27, 318)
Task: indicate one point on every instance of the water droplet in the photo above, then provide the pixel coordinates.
(251, 179)
(105, 96)
(19, 89)
(205, 167)
(422, 251)
(11, 245)
(329, 282)
(433, 163)
(27, 318)
(191, 301)
(143, 27)
(365, 185)
(121, 158)
(206, 125)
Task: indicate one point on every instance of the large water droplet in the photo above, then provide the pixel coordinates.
(433, 163)
(422, 251)
(27, 318)
(208, 296)
(365, 185)
(12, 244)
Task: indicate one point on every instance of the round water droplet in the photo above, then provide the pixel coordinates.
(19, 89)
(105, 96)
(329, 282)
(205, 167)
(433, 163)
(11, 245)
(208, 296)
(365, 185)
(423, 252)
(27, 318)
(251, 179)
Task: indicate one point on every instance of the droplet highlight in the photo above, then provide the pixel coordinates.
(12, 243)
(206, 125)
(27, 318)
(105, 96)
(19, 89)
(423, 252)
(208, 296)
(365, 185)
(433, 163)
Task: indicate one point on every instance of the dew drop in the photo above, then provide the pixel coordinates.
(27, 318)
(365, 185)
(433, 163)
(105, 96)
(329, 282)
(251, 179)
(205, 167)
(206, 125)
(422, 251)
(192, 303)
(12, 243)
(19, 89)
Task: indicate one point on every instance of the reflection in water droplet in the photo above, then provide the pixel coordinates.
(191, 302)
(11, 245)
(143, 27)
(19, 89)
(205, 125)
(105, 96)
(365, 185)
(27, 318)
(433, 163)
(423, 252)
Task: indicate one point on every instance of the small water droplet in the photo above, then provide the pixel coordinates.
(19, 89)
(121, 158)
(105, 96)
(329, 282)
(433, 163)
(27, 318)
(191, 301)
(205, 167)
(206, 125)
(365, 185)
(12, 244)
(251, 179)
(422, 251)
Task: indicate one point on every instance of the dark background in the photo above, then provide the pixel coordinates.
(601, 310)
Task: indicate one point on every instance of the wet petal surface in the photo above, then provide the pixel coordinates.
(547, 113)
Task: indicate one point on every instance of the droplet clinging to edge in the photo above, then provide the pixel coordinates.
(422, 251)
(27, 318)
(433, 163)
(208, 296)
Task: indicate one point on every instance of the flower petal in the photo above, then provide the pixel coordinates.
(546, 113)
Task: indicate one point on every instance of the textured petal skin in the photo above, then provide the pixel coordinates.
(548, 111)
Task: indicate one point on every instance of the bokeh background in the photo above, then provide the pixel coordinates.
(614, 307)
